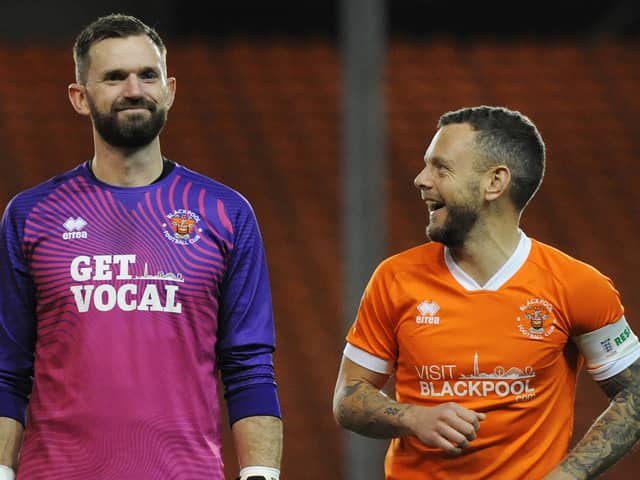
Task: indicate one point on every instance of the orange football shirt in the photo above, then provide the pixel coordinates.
(504, 349)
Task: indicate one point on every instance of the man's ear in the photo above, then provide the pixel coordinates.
(499, 179)
(171, 91)
(78, 98)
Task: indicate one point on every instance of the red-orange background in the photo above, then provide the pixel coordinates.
(265, 119)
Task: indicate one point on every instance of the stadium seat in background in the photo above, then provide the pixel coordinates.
(265, 119)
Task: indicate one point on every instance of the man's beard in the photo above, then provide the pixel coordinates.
(133, 132)
(459, 222)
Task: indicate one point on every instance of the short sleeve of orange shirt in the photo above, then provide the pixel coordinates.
(374, 330)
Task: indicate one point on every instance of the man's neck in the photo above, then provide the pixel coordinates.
(485, 251)
(127, 168)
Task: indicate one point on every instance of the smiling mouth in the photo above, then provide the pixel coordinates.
(433, 206)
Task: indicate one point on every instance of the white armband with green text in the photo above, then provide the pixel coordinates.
(609, 350)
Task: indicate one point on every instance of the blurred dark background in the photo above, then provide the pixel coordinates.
(261, 106)
(33, 20)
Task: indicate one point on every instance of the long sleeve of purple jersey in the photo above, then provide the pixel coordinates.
(246, 337)
(17, 317)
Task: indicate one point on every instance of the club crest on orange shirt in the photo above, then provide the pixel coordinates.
(537, 320)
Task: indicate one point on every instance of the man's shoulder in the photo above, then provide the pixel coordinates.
(424, 252)
(24, 201)
(227, 194)
(561, 264)
(427, 254)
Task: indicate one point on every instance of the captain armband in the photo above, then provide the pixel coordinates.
(259, 473)
(609, 350)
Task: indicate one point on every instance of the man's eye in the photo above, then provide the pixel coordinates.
(114, 77)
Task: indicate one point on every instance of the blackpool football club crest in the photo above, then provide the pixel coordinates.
(181, 227)
(536, 319)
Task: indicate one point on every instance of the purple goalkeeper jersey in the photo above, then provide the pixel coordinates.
(118, 308)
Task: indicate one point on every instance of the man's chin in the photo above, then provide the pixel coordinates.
(447, 238)
(128, 141)
(433, 234)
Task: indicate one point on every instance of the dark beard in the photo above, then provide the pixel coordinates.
(460, 220)
(136, 131)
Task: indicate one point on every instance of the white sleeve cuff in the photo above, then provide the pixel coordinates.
(367, 360)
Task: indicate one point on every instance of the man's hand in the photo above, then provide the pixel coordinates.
(449, 427)
(360, 406)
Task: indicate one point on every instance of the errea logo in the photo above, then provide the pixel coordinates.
(428, 311)
(74, 228)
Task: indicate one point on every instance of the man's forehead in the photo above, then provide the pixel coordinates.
(120, 52)
(450, 139)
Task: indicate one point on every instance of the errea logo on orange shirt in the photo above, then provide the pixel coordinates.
(428, 311)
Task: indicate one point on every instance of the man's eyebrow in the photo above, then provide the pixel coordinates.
(121, 71)
(436, 160)
(112, 72)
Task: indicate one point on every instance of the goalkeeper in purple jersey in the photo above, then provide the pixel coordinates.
(127, 285)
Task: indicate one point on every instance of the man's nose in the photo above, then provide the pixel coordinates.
(133, 86)
(423, 179)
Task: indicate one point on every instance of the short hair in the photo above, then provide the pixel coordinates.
(116, 25)
(510, 138)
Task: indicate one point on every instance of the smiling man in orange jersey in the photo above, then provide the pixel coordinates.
(485, 328)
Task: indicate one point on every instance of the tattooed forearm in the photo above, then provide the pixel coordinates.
(623, 384)
(614, 433)
(366, 410)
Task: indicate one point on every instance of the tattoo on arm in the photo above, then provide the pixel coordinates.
(615, 432)
(366, 410)
(352, 388)
(624, 380)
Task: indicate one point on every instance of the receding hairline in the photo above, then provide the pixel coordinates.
(471, 140)
(115, 25)
(86, 64)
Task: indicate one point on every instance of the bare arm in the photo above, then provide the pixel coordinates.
(258, 441)
(359, 405)
(10, 441)
(612, 435)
